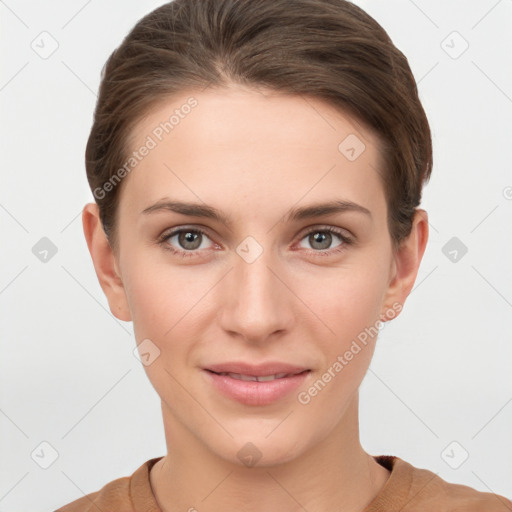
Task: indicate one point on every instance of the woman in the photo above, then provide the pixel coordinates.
(257, 168)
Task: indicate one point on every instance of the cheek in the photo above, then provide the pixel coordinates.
(161, 303)
(347, 299)
(160, 296)
(350, 306)
(171, 307)
(147, 302)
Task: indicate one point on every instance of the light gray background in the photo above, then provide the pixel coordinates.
(441, 371)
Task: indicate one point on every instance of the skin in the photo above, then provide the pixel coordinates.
(254, 155)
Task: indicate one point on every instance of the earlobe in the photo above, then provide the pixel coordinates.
(406, 263)
(105, 263)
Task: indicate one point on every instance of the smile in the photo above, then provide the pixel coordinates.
(259, 378)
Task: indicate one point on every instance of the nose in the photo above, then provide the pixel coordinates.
(257, 304)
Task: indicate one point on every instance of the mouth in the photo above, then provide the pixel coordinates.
(276, 369)
(257, 378)
(255, 385)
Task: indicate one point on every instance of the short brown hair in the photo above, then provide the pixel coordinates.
(326, 49)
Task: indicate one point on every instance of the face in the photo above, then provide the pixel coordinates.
(257, 275)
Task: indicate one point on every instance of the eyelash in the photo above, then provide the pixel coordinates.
(326, 252)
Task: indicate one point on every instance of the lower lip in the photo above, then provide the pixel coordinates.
(253, 392)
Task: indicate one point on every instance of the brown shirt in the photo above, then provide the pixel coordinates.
(408, 489)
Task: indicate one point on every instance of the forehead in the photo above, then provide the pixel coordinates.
(242, 142)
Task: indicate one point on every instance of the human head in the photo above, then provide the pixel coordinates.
(328, 49)
(256, 140)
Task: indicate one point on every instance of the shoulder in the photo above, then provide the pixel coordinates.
(113, 496)
(125, 494)
(418, 490)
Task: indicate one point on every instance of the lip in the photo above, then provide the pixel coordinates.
(258, 370)
(254, 392)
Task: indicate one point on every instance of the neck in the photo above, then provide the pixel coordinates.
(334, 474)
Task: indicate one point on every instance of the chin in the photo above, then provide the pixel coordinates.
(259, 451)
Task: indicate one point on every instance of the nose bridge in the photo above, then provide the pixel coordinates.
(256, 304)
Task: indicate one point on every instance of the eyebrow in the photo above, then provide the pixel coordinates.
(300, 213)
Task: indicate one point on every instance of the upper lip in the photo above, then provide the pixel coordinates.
(257, 370)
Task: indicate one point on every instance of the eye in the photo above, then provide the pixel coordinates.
(188, 242)
(321, 240)
(185, 241)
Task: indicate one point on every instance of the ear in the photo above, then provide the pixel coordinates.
(105, 262)
(405, 265)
